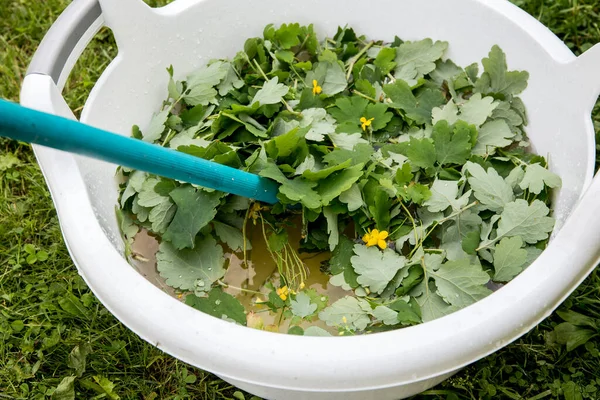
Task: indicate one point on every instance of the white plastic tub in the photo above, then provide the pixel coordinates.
(390, 365)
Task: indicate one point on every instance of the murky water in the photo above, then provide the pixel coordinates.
(261, 269)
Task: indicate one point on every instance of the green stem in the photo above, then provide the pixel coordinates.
(225, 285)
(363, 95)
(356, 58)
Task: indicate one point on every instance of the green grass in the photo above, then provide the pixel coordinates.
(52, 327)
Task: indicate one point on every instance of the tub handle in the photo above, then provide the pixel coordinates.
(583, 77)
(66, 39)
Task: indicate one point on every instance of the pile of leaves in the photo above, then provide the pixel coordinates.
(412, 171)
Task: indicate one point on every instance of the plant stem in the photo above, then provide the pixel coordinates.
(225, 285)
(356, 58)
(363, 95)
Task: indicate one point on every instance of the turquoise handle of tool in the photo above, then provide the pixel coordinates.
(60, 133)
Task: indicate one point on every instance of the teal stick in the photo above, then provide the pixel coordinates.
(60, 133)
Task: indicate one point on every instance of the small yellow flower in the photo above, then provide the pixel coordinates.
(364, 123)
(283, 293)
(302, 285)
(376, 238)
(316, 88)
(344, 320)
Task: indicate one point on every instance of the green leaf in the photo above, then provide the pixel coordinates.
(489, 188)
(272, 92)
(230, 81)
(509, 258)
(419, 108)
(355, 312)
(421, 152)
(379, 207)
(296, 330)
(329, 74)
(285, 56)
(249, 123)
(528, 221)
(107, 386)
(444, 194)
(416, 59)
(284, 145)
(458, 282)
(348, 111)
(470, 241)
(452, 146)
(335, 184)
(301, 306)
(156, 126)
(536, 177)
(287, 35)
(195, 209)
(353, 198)
(497, 79)
(414, 277)
(347, 141)
(341, 256)
(231, 236)
(493, 134)
(325, 172)
(8, 161)
(380, 116)
(359, 153)
(445, 71)
(448, 113)
(477, 109)
(573, 336)
(272, 171)
(578, 319)
(301, 190)
(376, 268)
(135, 184)
(71, 304)
(77, 358)
(218, 304)
(208, 76)
(365, 87)
(161, 215)
(191, 268)
(319, 122)
(148, 197)
(404, 174)
(316, 331)
(332, 227)
(277, 241)
(386, 315)
(65, 389)
(407, 313)
(385, 60)
(432, 304)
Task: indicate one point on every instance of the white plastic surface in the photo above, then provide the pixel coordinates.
(387, 365)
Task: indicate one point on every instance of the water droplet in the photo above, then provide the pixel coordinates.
(209, 268)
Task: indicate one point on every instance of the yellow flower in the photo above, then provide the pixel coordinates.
(283, 293)
(344, 320)
(302, 285)
(375, 238)
(316, 88)
(365, 122)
